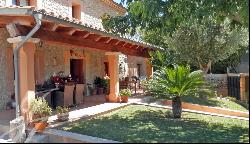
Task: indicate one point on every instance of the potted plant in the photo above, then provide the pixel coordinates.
(124, 94)
(62, 113)
(40, 111)
(99, 84)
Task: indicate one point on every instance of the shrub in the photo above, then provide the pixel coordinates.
(40, 107)
(62, 110)
(125, 92)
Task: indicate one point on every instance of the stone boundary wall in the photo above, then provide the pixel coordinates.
(219, 81)
(59, 136)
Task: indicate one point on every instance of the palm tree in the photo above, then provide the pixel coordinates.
(177, 82)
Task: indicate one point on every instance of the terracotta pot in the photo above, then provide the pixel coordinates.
(40, 126)
(124, 99)
(94, 92)
(100, 91)
(107, 98)
(63, 117)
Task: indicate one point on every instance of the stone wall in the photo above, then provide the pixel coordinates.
(59, 7)
(57, 58)
(91, 10)
(132, 64)
(219, 81)
(6, 80)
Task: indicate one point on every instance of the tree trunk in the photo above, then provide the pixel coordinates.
(176, 107)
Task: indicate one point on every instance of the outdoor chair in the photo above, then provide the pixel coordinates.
(65, 98)
(79, 93)
(125, 83)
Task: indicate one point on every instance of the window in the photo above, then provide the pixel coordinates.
(21, 2)
(76, 10)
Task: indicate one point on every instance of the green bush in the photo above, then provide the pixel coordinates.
(125, 92)
(62, 110)
(40, 106)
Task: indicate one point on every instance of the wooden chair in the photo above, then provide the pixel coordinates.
(125, 83)
(65, 98)
(79, 93)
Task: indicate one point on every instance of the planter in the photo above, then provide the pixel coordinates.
(107, 98)
(63, 117)
(94, 92)
(124, 99)
(40, 126)
(100, 91)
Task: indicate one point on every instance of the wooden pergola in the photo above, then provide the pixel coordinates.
(72, 32)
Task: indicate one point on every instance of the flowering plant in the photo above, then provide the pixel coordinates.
(57, 80)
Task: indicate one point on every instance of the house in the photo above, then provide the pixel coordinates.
(69, 39)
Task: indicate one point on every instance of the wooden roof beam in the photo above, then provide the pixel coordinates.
(73, 41)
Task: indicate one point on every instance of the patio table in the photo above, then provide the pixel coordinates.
(46, 92)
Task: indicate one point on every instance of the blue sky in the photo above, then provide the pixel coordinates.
(118, 1)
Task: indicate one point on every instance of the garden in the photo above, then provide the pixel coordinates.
(196, 38)
(144, 124)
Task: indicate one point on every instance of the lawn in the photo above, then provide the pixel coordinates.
(138, 123)
(215, 102)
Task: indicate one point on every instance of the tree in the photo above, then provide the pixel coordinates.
(164, 16)
(203, 44)
(157, 20)
(175, 83)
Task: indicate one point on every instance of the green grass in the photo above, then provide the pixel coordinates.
(139, 123)
(223, 103)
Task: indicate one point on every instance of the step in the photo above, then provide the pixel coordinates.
(3, 130)
(39, 138)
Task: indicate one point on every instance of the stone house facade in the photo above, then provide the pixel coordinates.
(50, 58)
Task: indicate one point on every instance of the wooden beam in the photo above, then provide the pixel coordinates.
(54, 27)
(63, 39)
(86, 35)
(22, 20)
(108, 41)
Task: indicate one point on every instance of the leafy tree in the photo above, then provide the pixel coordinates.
(161, 59)
(200, 45)
(232, 61)
(164, 16)
(156, 20)
(175, 83)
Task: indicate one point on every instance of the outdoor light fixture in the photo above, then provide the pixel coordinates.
(40, 44)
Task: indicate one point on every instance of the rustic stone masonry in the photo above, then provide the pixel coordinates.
(220, 83)
(5, 88)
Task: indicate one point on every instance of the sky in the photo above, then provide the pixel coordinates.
(118, 1)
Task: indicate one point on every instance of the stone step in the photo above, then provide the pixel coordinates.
(37, 138)
(3, 130)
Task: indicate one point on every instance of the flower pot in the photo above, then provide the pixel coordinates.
(40, 126)
(124, 99)
(94, 92)
(100, 91)
(63, 117)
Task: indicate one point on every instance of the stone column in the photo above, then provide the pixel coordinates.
(113, 60)
(26, 74)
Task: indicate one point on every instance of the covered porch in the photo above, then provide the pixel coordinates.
(61, 44)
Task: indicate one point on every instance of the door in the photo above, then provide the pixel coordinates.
(76, 69)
